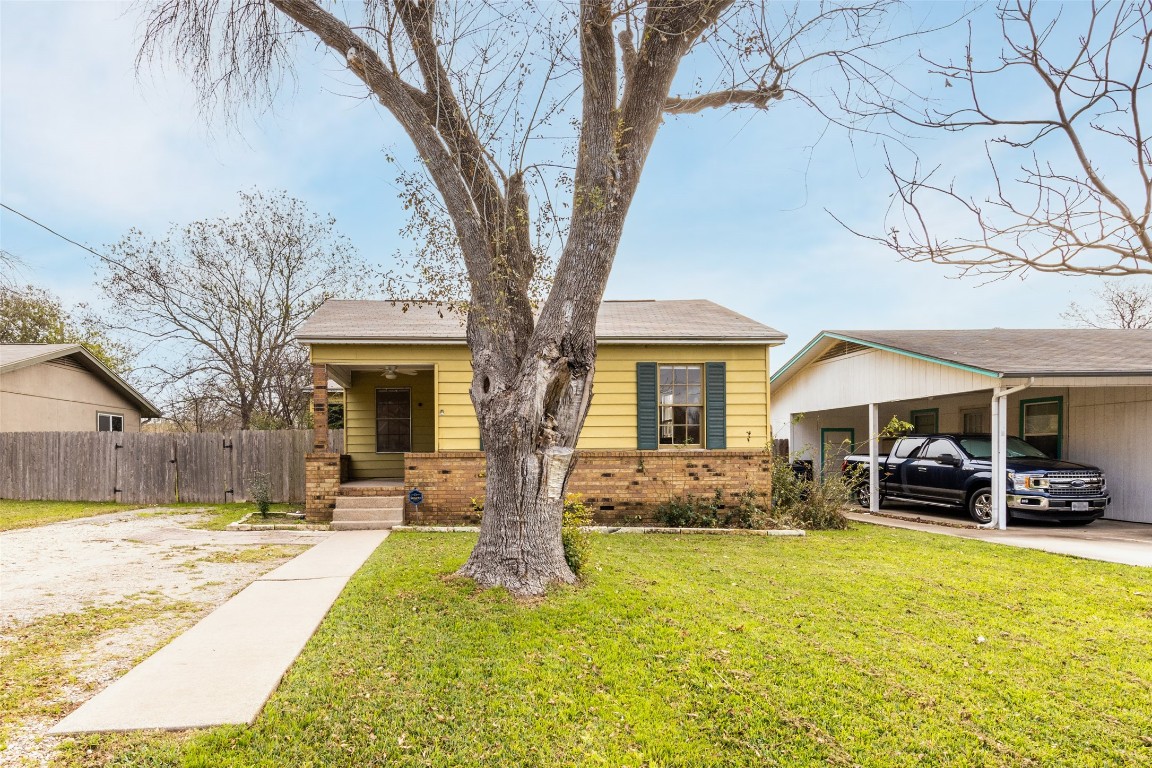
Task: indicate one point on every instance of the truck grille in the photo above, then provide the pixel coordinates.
(1075, 484)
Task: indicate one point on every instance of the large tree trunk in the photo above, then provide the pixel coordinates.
(530, 423)
(519, 546)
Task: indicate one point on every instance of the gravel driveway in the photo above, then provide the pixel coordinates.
(113, 560)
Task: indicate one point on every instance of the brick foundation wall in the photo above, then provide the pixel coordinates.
(620, 487)
(321, 485)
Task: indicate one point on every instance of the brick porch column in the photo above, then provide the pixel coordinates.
(320, 408)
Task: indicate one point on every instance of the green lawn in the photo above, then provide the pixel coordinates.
(25, 514)
(872, 647)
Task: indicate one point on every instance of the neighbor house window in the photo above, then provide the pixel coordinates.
(109, 422)
(393, 420)
(1041, 424)
(681, 404)
(926, 422)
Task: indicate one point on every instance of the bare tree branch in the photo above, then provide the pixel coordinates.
(1072, 177)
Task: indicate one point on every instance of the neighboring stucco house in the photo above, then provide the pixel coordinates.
(680, 382)
(65, 388)
(1078, 394)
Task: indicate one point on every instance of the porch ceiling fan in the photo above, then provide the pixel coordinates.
(390, 371)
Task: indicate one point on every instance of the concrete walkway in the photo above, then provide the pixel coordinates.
(223, 670)
(1112, 541)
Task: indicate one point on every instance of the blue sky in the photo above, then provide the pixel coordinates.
(731, 208)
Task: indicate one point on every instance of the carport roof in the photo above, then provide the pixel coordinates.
(1000, 352)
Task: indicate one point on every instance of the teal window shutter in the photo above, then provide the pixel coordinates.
(646, 406)
(715, 406)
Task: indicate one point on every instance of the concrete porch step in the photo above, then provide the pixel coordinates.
(353, 515)
(370, 502)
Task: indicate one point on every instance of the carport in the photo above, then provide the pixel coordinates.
(1079, 394)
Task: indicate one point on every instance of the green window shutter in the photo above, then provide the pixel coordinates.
(715, 406)
(646, 406)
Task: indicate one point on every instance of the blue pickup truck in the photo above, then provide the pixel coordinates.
(955, 470)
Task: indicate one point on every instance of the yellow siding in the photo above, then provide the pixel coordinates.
(611, 422)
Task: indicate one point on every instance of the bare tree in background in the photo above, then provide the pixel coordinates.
(478, 88)
(225, 297)
(1116, 306)
(1064, 105)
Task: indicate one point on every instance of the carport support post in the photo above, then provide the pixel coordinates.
(874, 457)
(999, 461)
(1000, 453)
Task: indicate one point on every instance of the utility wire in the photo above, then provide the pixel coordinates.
(98, 255)
(65, 238)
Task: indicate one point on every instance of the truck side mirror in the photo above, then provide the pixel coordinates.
(947, 458)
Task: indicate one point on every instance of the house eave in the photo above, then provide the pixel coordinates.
(771, 341)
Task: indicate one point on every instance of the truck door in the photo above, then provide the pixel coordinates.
(942, 480)
(902, 481)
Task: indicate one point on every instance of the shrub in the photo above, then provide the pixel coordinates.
(260, 489)
(748, 511)
(809, 502)
(572, 535)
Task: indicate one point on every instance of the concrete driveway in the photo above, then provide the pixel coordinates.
(1112, 541)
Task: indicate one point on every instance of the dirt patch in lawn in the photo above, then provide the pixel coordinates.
(85, 600)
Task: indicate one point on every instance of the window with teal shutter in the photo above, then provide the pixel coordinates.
(715, 408)
(646, 439)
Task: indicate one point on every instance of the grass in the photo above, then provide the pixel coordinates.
(255, 554)
(38, 659)
(26, 514)
(872, 647)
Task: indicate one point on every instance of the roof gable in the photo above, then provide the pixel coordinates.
(13, 357)
(1000, 352)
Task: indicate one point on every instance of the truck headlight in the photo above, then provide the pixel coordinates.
(1027, 482)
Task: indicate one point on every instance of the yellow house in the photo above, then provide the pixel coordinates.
(681, 378)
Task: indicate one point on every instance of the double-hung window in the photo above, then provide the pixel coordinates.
(1042, 424)
(681, 405)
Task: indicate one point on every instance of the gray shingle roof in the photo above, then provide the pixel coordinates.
(1013, 352)
(12, 354)
(690, 321)
(13, 357)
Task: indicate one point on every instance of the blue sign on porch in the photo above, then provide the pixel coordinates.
(415, 496)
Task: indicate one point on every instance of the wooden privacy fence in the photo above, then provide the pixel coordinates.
(148, 468)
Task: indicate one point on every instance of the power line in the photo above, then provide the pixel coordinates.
(100, 256)
(65, 238)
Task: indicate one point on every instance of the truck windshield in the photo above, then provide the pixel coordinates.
(981, 448)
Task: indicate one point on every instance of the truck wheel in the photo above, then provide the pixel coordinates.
(980, 506)
(864, 496)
